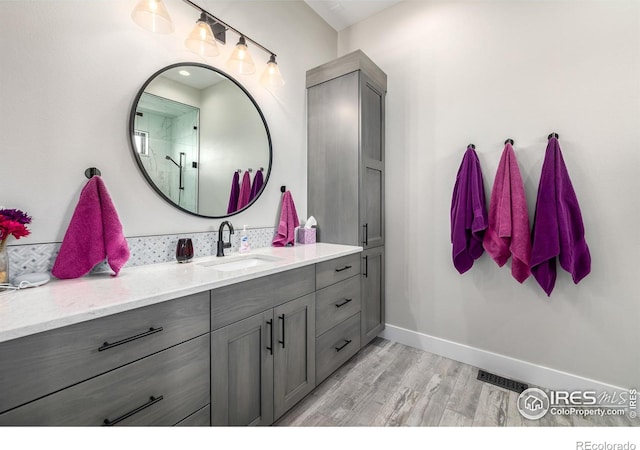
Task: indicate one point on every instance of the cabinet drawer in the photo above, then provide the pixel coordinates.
(37, 365)
(337, 302)
(336, 346)
(161, 389)
(200, 418)
(232, 303)
(334, 270)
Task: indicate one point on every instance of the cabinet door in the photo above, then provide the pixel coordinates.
(372, 164)
(242, 372)
(294, 354)
(372, 301)
(333, 159)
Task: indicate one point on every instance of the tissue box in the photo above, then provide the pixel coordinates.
(306, 235)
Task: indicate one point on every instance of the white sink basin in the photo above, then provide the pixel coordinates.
(240, 262)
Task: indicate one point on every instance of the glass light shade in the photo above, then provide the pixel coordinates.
(153, 16)
(201, 41)
(241, 61)
(272, 78)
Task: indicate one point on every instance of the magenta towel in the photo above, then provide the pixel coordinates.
(234, 193)
(94, 233)
(245, 191)
(468, 212)
(288, 222)
(508, 232)
(257, 185)
(557, 226)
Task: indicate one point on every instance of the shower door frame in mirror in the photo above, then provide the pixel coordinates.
(233, 123)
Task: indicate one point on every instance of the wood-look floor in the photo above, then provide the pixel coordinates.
(390, 384)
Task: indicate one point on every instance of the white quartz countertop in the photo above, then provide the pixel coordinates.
(67, 302)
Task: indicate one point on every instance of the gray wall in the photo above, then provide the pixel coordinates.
(481, 72)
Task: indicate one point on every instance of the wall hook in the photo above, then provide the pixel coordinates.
(555, 135)
(283, 189)
(509, 140)
(472, 146)
(91, 172)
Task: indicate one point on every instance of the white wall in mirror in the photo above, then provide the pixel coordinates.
(235, 140)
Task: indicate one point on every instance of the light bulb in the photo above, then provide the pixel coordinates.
(240, 61)
(272, 78)
(153, 16)
(200, 40)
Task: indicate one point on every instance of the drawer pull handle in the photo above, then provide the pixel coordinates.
(270, 323)
(346, 342)
(346, 300)
(343, 268)
(366, 266)
(282, 341)
(152, 401)
(365, 237)
(107, 346)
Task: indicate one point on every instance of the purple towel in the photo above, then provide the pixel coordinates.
(468, 213)
(288, 222)
(94, 233)
(557, 225)
(235, 191)
(508, 234)
(245, 191)
(257, 185)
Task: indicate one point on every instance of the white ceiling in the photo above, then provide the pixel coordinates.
(344, 13)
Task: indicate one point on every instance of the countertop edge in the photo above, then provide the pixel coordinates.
(96, 312)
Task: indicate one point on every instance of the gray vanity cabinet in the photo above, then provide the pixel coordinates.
(294, 365)
(242, 372)
(346, 175)
(263, 364)
(372, 307)
(147, 366)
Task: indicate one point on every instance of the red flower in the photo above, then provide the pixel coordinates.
(12, 227)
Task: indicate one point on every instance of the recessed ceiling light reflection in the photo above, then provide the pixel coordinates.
(184, 73)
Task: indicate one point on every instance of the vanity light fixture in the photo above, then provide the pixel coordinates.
(200, 40)
(272, 78)
(241, 61)
(153, 16)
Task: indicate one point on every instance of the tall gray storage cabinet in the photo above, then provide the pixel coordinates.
(345, 102)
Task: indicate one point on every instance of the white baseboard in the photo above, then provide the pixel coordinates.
(495, 363)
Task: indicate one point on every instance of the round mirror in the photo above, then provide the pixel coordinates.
(200, 140)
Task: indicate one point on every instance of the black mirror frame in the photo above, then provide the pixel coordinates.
(132, 117)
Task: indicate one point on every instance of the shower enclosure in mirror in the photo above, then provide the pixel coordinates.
(192, 129)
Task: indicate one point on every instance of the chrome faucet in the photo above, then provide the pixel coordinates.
(221, 244)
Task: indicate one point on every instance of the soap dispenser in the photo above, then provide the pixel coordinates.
(244, 241)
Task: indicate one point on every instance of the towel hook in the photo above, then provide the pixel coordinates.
(472, 146)
(508, 141)
(555, 135)
(91, 172)
(250, 170)
(283, 189)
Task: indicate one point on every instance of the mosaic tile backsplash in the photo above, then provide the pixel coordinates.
(144, 250)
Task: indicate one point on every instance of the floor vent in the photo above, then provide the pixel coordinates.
(501, 381)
